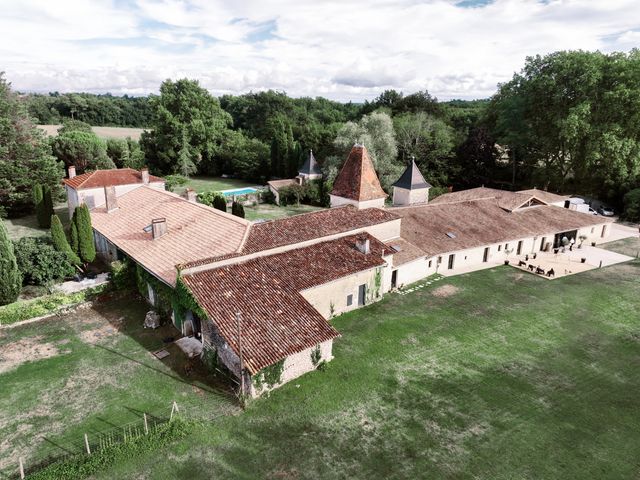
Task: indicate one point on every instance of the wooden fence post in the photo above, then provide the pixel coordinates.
(86, 444)
(21, 468)
(146, 426)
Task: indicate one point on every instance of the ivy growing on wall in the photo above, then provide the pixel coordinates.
(270, 375)
(374, 289)
(164, 293)
(316, 355)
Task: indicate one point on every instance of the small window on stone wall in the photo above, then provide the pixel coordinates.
(349, 300)
(430, 263)
(499, 247)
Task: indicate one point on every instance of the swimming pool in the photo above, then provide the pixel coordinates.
(239, 191)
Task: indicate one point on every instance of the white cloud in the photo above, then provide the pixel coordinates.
(347, 50)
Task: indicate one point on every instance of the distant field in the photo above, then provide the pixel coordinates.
(104, 132)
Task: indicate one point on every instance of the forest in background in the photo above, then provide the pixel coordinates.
(567, 122)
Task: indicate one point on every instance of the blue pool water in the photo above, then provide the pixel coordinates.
(239, 191)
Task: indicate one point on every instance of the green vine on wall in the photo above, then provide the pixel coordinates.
(270, 375)
(316, 355)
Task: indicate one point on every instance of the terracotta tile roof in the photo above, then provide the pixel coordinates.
(278, 184)
(357, 179)
(483, 222)
(403, 251)
(411, 178)
(506, 199)
(309, 226)
(304, 227)
(193, 230)
(277, 321)
(545, 196)
(104, 178)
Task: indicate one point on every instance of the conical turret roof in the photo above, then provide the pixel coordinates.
(412, 179)
(357, 179)
(310, 166)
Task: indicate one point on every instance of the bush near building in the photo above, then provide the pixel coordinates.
(10, 276)
(40, 263)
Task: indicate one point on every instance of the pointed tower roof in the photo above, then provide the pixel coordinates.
(358, 179)
(310, 166)
(412, 179)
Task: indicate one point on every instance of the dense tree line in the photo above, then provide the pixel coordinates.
(571, 122)
(103, 110)
(567, 122)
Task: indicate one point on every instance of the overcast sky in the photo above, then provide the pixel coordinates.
(344, 50)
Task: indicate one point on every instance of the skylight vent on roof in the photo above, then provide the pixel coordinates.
(451, 235)
(396, 248)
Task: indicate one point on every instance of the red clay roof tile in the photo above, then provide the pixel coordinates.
(357, 179)
(105, 178)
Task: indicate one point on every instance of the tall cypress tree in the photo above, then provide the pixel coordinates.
(220, 202)
(38, 203)
(73, 235)
(237, 209)
(86, 243)
(10, 276)
(59, 240)
(47, 205)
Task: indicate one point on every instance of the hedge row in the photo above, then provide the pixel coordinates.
(48, 304)
(82, 466)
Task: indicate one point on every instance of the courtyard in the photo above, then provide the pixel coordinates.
(494, 374)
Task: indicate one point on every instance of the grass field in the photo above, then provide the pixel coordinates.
(90, 372)
(27, 226)
(268, 211)
(206, 184)
(103, 132)
(497, 374)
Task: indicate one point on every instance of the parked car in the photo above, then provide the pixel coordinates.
(606, 211)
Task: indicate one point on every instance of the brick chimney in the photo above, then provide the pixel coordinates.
(158, 227)
(145, 175)
(110, 199)
(362, 244)
(72, 171)
(191, 195)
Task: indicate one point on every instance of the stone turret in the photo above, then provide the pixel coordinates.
(411, 188)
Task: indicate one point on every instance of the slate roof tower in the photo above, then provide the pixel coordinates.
(411, 188)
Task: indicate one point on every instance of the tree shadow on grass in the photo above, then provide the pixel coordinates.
(127, 316)
(569, 413)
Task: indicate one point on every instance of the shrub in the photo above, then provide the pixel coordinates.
(10, 276)
(49, 304)
(237, 209)
(291, 195)
(86, 244)
(81, 466)
(38, 203)
(632, 205)
(60, 241)
(267, 196)
(47, 202)
(40, 263)
(123, 274)
(213, 199)
(173, 181)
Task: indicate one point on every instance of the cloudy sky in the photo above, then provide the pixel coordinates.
(344, 50)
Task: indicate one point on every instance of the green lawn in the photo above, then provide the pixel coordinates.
(495, 374)
(27, 226)
(268, 211)
(91, 372)
(206, 184)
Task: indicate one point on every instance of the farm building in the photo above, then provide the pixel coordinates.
(261, 296)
